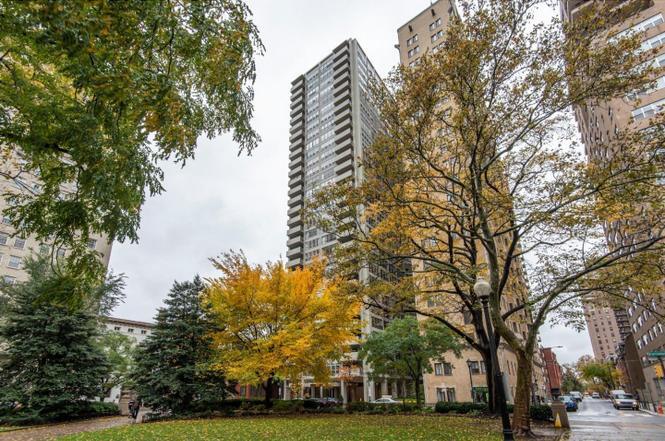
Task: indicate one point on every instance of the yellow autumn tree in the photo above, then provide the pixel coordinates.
(276, 324)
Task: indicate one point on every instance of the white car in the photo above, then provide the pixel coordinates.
(385, 400)
(595, 395)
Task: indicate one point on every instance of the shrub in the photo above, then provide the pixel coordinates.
(541, 412)
(82, 409)
(358, 406)
(463, 408)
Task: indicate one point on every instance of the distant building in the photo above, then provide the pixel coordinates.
(131, 328)
(603, 330)
(136, 330)
(15, 249)
(554, 374)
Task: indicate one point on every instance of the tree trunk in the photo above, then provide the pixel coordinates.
(521, 414)
(268, 389)
(418, 381)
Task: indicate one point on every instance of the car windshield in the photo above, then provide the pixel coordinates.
(625, 396)
(566, 398)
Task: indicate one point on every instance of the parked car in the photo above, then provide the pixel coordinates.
(595, 395)
(625, 401)
(385, 400)
(569, 401)
(577, 396)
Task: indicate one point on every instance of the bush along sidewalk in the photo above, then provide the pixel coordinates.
(77, 411)
(538, 412)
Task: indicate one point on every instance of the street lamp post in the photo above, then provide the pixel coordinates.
(482, 289)
(468, 364)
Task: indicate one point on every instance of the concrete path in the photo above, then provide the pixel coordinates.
(597, 420)
(50, 432)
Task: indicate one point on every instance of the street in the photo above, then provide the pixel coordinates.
(597, 420)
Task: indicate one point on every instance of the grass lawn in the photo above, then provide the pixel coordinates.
(316, 428)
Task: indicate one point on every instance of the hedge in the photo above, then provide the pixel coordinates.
(78, 410)
(537, 412)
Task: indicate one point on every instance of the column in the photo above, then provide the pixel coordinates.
(342, 391)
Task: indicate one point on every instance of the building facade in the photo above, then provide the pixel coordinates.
(136, 330)
(15, 249)
(603, 330)
(332, 121)
(463, 378)
(598, 123)
(554, 374)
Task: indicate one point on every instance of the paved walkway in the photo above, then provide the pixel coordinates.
(43, 433)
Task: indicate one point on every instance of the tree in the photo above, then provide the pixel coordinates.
(477, 174)
(94, 94)
(600, 372)
(275, 324)
(173, 371)
(570, 379)
(52, 364)
(405, 349)
(119, 351)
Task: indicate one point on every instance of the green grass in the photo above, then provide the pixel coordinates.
(319, 428)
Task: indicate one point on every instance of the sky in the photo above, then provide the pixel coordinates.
(221, 201)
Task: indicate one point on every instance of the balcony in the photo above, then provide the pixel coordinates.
(294, 231)
(296, 201)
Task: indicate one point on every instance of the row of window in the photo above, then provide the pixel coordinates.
(130, 330)
(412, 40)
(414, 51)
(443, 369)
(19, 243)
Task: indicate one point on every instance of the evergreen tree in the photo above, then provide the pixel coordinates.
(172, 365)
(52, 365)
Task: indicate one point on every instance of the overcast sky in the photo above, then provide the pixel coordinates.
(221, 201)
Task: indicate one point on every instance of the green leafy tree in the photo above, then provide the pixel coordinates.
(52, 364)
(600, 373)
(570, 379)
(95, 93)
(119, 350)
(172, 367)
(405, 348)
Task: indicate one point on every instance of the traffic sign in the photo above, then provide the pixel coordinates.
(656, 354)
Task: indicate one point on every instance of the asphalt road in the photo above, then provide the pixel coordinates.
(597, 420)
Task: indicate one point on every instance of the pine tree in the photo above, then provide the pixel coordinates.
(172, 365)
(52, 365)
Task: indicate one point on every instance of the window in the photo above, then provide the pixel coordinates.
(3, 238)
(117, 328)
(437, 36)
(447, 369)
(130, 330)
(438, 368)
(482, 367)
(14, 262)
(92, 243)
(435, 24)
(377, 323)
(647, 111)
(659, 83)
(414, 51)
(19, 243)
(412, 40)
(143, 331)
(451, 394)
(10, 280)
(6, 220)
(474, 367)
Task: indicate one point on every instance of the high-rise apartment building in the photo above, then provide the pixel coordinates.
(15, 249)
(603, 330)
(332, 121)
(598, 123)
(463, 378)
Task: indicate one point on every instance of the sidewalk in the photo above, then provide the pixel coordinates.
(43, 433)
